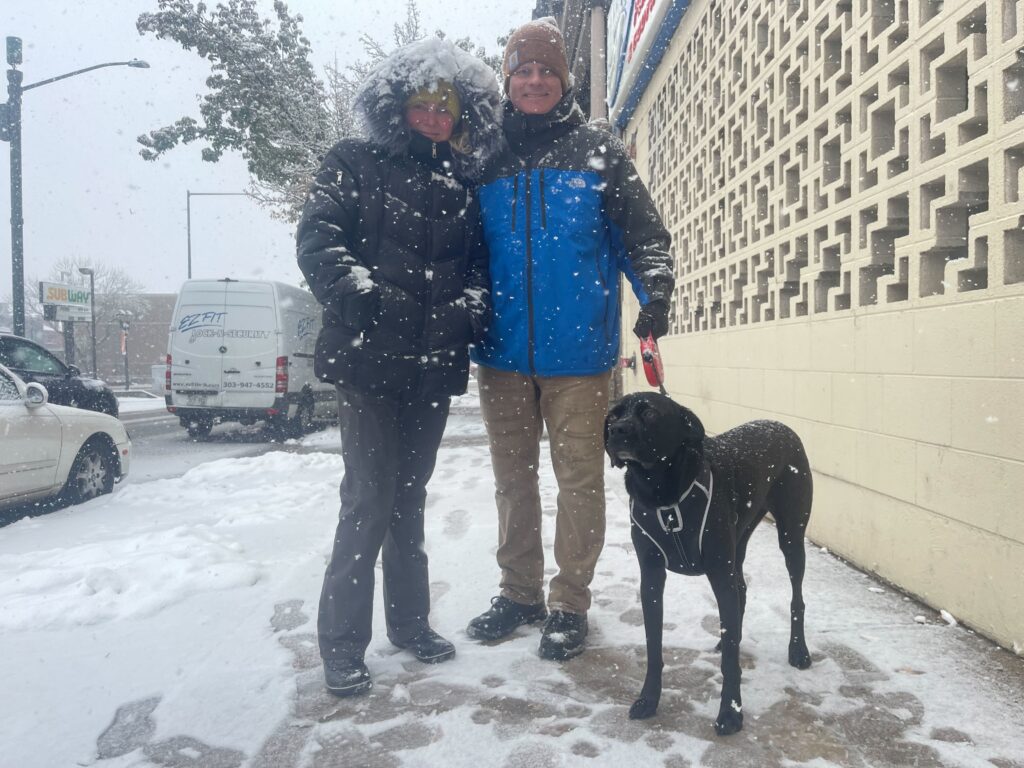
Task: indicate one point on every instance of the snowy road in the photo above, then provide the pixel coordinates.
(173, 624)
(162, 448)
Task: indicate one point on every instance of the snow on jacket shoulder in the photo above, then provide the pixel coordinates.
(390, 240)
(561, 222)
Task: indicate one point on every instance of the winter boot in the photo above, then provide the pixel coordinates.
(563, 635)
(504, 616)
(346, 677)
(429, 647)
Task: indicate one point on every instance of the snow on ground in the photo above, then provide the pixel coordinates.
(173, 624)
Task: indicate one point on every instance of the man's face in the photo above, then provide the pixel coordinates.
(534, 89)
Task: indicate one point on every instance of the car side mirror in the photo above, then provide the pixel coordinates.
(35, 395)
(74, 370)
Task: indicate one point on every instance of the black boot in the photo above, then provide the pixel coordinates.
(346, 677)
(504, 616)
(563, 636)
(429, 647)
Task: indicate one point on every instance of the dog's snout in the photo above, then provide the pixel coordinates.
(618, 427)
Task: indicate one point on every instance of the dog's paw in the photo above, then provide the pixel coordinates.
(799, 656)
(730, 719)
(642, 709)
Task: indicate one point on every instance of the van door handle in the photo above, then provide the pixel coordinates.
(231, 370)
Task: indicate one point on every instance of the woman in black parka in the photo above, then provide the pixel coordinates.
(390, 244)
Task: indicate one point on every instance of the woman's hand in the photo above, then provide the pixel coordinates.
(359, 310)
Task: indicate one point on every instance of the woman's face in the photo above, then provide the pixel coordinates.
(431, 119)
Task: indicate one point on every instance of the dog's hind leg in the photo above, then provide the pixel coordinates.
(791, 529)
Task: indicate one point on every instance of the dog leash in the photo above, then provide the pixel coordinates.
(653, 367)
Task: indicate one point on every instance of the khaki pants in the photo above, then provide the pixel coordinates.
(515, 408)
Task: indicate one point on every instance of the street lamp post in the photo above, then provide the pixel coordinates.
(125, 318)
(92, 313)
(10, 130)
(188, 216)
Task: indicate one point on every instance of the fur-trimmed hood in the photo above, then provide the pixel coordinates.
(381, 100)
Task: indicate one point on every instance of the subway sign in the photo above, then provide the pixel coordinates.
(65, 302)
(68, 295)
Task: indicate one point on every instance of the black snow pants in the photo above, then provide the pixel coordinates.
(389, 447)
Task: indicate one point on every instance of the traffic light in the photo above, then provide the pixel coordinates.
(14, 51)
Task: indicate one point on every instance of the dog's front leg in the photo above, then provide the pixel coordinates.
(652, 593)
(730, 710)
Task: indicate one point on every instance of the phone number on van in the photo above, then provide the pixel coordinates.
(248, 385)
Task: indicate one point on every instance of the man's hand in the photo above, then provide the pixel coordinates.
(653, 319)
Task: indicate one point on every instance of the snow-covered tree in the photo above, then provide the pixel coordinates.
(265, 98)
(264, 101)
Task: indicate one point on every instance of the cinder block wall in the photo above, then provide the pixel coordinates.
(844, 182)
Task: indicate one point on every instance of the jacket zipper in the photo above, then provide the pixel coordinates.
(515, 201)
(529, 274)
(433, 149)
(543, 205)
(428, 268)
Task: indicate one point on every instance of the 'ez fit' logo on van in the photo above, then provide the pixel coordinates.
(202, 320)
(305, 327)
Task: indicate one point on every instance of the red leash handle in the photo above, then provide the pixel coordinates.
(653, 367)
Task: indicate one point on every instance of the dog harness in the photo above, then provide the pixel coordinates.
(678, 529)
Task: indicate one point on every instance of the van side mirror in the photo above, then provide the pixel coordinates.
(35, 395)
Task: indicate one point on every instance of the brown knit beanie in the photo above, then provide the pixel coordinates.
(539, 40)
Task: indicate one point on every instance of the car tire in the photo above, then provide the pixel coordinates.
(199, 429)
(92, 474)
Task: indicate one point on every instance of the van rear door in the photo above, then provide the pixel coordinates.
(250, 346)
(196, 338)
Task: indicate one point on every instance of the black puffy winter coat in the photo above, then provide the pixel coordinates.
(390, 240)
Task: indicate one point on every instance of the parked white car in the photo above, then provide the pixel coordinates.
(53, 450)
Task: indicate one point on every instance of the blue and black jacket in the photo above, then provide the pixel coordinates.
(564, 213)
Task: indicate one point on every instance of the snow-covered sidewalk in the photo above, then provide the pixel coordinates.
(173, 624)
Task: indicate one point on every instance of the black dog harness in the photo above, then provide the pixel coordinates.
(678, 530)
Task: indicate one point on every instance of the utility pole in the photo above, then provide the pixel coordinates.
(10, 130)
(12, 133)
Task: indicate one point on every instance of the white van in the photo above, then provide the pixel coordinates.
(242, 350)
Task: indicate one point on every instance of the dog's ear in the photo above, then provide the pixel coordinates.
(691, 430)
(613, 414)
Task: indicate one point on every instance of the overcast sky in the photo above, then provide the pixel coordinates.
(88, 193)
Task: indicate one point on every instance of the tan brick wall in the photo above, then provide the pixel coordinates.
(844, 183)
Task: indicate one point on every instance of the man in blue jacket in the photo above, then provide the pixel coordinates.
(564, 214)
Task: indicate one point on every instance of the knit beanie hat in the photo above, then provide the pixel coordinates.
(539, 40)
(442, 92)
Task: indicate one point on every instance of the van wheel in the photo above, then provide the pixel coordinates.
(91, 475)
(199, 429)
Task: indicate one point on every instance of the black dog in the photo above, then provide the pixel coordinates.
(694, 501)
